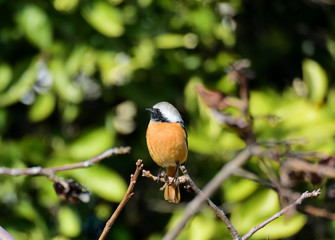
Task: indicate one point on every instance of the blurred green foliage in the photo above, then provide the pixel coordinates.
(75, 77)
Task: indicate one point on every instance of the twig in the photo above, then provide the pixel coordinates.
(187, 179)
(254, 177)
(163, 178)
(4, 235)
(317, 212)
(49, 172)
(127, 196)
(215, 208)
(303, 196)
(300, 165)
(194, 205)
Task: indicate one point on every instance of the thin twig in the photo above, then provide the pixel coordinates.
(4, 235)
(215, 208)
(187, 179)
(39, 171)
(163, 178)
(303, 196)
(127, 196)
(317, 212)
(300, 165)
(195, 205)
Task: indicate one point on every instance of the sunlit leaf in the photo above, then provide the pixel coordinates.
(263, 102)
(115, 68)
(70, 112)
(202, 19)
(62, 82)
(26, 210)
(65, 5)
(225, 34)
(238, 189)
(316, 80)
(42, 108)
(202, 228)
(169, 40)
(144, 53)
(91, 143)
(103, 182)
(21, 86)
(104, 17)
(103, 211)
(68, 222)
(35, 23)
(260, 207)
(75, 59)
(282, 228)
(6, 74)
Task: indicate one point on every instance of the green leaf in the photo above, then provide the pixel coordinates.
(68, 222)
(238, 189)
(35, 24)
(202, 19)
(144, 53)
(42, 108)
(102, 181)
(202, 227)
(105, 18)
(115, 68)
(21, 86)
(91, 143)
(260, 207)
(316, 80)
(28, 211)
(170, 40)
(65, 5)
(70, 112)
(62, 83)
(6, 75)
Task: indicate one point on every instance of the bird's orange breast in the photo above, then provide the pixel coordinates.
(166, 143)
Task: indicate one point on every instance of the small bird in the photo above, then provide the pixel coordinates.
(167, 143)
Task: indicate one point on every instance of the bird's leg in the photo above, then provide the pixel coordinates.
(175, 178)
(159, 175)
(167, 180)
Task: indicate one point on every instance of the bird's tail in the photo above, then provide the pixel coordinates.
(171, 192)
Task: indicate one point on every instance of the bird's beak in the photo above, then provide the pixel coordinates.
(149, 109)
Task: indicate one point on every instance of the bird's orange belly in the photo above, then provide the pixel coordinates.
(166, 143)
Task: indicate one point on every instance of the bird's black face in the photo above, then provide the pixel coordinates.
(156, 115)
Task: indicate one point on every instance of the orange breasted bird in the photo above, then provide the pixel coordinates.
(167, 143)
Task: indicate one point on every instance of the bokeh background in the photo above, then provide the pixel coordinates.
(76, 77)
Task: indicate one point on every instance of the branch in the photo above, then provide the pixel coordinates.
(317, 212)
(163, 177)
(215, 208)
(49, 172)
(194, 205)
(4, 235)
(303, 196)
(187, 179)
(299, 165)
(127, 196)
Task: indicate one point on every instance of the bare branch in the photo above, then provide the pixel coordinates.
(163, 178)
(127, 196)
(39, 171)
(215, 208)
(303, 196)
(4, 235)
(300, 165)
(195, 205)
(317, 212)
(187, 179)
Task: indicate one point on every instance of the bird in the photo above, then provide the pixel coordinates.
(167, 143)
